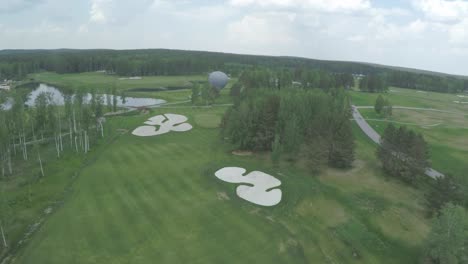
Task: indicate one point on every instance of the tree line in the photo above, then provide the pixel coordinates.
(298, 78)
(373, 84)
(16, 64)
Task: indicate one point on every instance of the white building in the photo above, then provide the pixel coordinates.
(4, 87)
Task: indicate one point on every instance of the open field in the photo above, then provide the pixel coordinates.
(103, 81)
(147, 199)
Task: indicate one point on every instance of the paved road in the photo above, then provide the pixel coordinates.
(413, 108)
(374, 136)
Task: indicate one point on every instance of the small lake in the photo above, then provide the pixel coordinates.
(58, 98)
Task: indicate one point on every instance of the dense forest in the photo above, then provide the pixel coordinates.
(308, 125)
(16, 64)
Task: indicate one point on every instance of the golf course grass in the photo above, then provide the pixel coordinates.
(156, 200)
(99, 80)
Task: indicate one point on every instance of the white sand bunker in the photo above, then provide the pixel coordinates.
(261, 193)
(166, 123)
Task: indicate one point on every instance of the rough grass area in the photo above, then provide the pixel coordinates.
(412, 98)
(27, 195)
(147, 200)
(446, 133)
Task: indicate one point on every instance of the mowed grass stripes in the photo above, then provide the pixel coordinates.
(146, 200)
(156, 200)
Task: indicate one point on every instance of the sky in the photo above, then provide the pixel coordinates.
(423, 34)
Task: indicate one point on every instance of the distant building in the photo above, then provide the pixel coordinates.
(132, 78)
(359, 76)
(4, 87)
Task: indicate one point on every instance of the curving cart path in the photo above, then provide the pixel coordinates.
(374, 136)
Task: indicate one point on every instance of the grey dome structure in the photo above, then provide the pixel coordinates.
(218, 79)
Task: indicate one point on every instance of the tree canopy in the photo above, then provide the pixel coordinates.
(16, 64)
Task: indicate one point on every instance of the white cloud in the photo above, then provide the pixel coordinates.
(98, 9)
(267, 31)
(357, 38)
(418, 26)
(459, 33)
(116, 11)
(330, 5)
(14, 5)
(83, 29)
(335, 29)
(443, 10)
(47, 27)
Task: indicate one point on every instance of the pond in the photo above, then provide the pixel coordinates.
(58, 98)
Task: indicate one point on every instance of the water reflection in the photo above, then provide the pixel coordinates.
(57, 98)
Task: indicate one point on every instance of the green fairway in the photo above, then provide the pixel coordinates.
(156, 200)
(103, 83)
(412, 98)
(100, 80)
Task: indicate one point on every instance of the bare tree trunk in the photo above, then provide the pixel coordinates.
(25, 147)
(74, 121)
(76, 144)
(61, 143)
(10, 168)
(81, 140)
(71, 133)
(14, 146)
(40, 163)
(3, 235)
(19, 144)
(102, 129)
(60, 133)
(57, 145)
(22, 146)
(85, 143)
